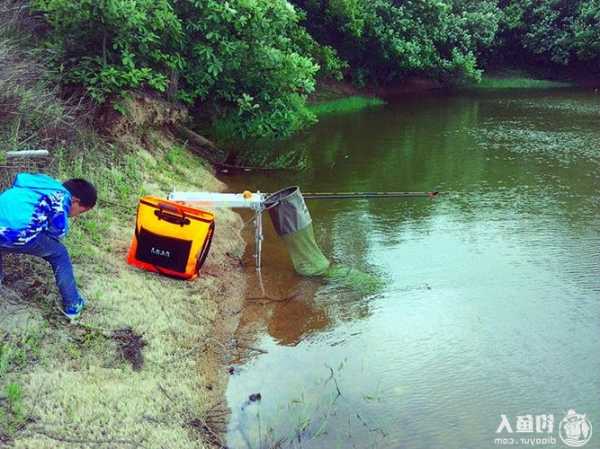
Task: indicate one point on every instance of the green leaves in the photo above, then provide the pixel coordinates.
(386, 40)
(586, 31)
(552, 31)
(248, 59)
(251, 63)
(111, 45)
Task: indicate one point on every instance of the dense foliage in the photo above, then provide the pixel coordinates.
(252, 63)
(386, 40)
(551, 31)
(248, 60)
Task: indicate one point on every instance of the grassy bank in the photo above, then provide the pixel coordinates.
(344, 105)
(333, 97)
(515, 79)
(143, 366)
(131, 370)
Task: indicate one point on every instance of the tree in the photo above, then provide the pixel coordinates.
(561, 32)
(247, 60)
(386, 40)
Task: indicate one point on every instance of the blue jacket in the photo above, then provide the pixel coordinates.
(35, 203)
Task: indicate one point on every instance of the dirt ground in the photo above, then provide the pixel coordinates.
(147, 364)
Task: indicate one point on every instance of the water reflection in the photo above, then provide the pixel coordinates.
(288, 315)
(492, 293)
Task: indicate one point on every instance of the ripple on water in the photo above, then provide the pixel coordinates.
(491, 297)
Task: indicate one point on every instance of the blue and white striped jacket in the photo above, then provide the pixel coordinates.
(35, 203)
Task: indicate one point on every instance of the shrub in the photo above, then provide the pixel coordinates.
(245, 60)
(386, 40)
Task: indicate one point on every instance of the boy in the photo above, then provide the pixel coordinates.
(34, 215)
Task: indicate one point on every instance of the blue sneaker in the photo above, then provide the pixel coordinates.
(73, 311)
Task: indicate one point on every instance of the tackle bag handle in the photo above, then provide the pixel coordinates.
(172, 214)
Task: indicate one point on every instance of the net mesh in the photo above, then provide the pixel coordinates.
(309, 260)
(353, 279)
(307, 257)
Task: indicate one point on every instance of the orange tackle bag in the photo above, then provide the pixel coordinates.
(170, 239)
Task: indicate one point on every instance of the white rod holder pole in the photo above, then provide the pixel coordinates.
(26, 153)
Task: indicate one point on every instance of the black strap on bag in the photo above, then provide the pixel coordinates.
(205, 247)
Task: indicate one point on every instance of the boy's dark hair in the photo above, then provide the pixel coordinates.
(82, 189)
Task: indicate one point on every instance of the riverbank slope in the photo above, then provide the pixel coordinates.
(144, 366)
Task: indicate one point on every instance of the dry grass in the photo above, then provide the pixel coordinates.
(31, 112)
(81, 389)
(74, 386)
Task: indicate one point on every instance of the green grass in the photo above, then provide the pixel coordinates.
(343, 105)
(515, 79)
(12, 417)
(17, 351)
(40, 364)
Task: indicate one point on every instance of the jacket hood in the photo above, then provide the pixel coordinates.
(42, 184)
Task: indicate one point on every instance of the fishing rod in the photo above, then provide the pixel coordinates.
(294, 212)
(235, 200)
(351, 195)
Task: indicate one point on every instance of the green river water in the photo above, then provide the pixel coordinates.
(491, 297)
